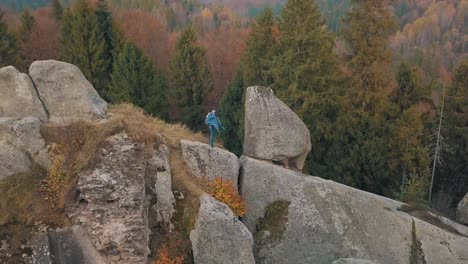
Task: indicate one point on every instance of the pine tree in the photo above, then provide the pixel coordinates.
(409, 91)
(231, 114)
(306, 76)
(8, 45)
(83, 45)
(409, 155)
(136, 80)
(306, 61)
(104, 18)
(25, 31)
(57, 9)
(191, 79)
(27, 26)
(260, 48)
(369, 26)
(454, 173)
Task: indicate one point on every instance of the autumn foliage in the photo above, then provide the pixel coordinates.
(226, 192)
(164, 257)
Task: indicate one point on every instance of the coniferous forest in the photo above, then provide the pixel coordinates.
(381, 85)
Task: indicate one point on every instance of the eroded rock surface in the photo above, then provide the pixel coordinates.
(352, 261)
(21, 145)
(113, 207)
(66, 93)
(326, 221)
(219, 237)
(160, 172)
(205, 161)
(462, 210)
(19, 97)
(273, 131)
(64, 246)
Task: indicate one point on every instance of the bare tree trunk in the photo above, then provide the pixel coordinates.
(437, 147)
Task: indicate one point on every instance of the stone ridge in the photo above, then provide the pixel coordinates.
(113, 206)
(328, 221)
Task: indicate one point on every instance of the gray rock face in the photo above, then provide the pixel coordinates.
(19, 96)
(208, 162)
(113, 207)
(462, 210)
(66, 93)
(352, 261)
(160, 171)
(66, 246)
(21, 144)
(219, 237)
(326, 221)
(273, 131)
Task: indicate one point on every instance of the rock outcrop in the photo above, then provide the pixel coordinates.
(66, 93)
(219, 237)
(65, 246)
(273, 131)
(462, 210)
(19, 97)
(207, 162)
(159, 170)
(113, 207)
(324, 221)
(21, 145)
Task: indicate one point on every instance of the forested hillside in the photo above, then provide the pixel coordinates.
(382, 89)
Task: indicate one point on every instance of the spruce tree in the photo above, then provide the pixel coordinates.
(409, 91)
(104, 18)
(191, 79)
(27, 26)
(306, 76)
(83, 45)
(453, 178)
(135, 79)
(369, 26)
(8, 45)
(260, 48)
(57, 9)
(306, 61)
(231, 114)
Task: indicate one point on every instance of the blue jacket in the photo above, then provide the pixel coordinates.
(212, 120)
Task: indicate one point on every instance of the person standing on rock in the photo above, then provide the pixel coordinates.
(214, 124)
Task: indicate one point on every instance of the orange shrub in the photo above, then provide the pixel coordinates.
(164, 258)
(226, 192)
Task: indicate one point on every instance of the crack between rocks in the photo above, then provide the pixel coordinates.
(39, 97)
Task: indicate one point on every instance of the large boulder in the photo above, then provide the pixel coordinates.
(207, 162)
(112, 202)
(462, 210)
(273, 131)
(66, 93)
(19, 97)
(219, 237)
(21, 145)
(322, 221)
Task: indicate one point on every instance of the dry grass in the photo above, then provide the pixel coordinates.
(75, 147)
(22, 208)
(78, 144)
(145, 128)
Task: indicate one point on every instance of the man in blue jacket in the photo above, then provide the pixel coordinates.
(214, 124)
